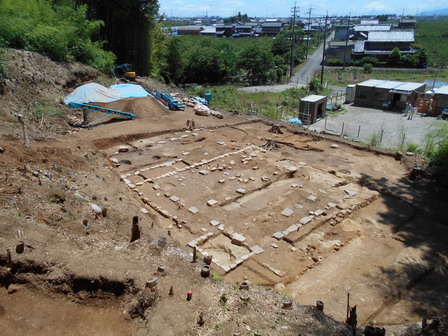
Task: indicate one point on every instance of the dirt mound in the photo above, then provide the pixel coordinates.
(29, 74)
(142, 107)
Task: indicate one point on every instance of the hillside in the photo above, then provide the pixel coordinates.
(65, 267)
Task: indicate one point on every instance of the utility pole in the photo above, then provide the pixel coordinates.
(323, 50)
(346, 41)
(293, 38)
(309, 31)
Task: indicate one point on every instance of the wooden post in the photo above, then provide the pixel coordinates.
(194, 254)
(26, 139)
(135, 232)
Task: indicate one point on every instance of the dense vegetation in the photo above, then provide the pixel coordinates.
(200, 59)
(59, 31)
(433, 37)
(128, 29)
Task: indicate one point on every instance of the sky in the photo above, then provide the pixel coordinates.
(281, 8)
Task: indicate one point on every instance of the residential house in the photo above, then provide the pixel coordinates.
(225, 30)
(243, 31)
(342, 31)
(361, 32)
(407, 24)
(271, 28)
(339, 50)
(380, 44)
(187, 30)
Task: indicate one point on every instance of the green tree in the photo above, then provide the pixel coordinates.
(394, 57)
(204, 65)
(174, 60)
(257, 61)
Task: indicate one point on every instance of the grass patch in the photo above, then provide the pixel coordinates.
(216, 277)
(44, 110)
(278, 105)
(347, 76)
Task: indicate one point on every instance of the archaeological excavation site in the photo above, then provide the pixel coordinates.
(186, 223)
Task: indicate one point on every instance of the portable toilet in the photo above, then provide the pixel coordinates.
(208, 97)
(350, 93)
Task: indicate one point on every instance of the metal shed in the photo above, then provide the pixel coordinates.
(312, 108)
(387, 94)
(441, 98)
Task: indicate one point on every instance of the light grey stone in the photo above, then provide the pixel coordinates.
(215, 222)
(287, 212)
(256, 249)
(212, 202)
(312, 198)
(156, 187)
(274, 245)
(305, 220)
(193, 210)
(123, 149)
(278, 235)
(351, 193)
(174, 198)
(241, 191)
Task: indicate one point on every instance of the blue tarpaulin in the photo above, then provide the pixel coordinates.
(92, 93)
(295, 121)
(130, 90)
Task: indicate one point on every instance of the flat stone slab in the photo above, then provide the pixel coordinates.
(145, 211)
(174, 198)
(256, 249)
(204, 172)
(296, 185)
(305, 220)
(221, 181)
(237, 237)
(351, 193)
(241, 191)
(302, 163)
(212, 202)
(291, 169)
(312, 198)
(193, 210)
(156, 187)
(292, 228)
(274, 245)
(287, 212)
(331, 205)
(318, 212)
(215, 222)
(278, 235)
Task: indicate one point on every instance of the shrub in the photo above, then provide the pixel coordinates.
(368, 68)
(334, 62)
(369, 60)
(59, 31)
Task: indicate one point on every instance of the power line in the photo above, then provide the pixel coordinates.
(294, 11)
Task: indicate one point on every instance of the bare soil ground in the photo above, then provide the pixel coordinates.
(311, 220)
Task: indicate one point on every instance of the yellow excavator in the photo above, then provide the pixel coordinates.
(125, 71)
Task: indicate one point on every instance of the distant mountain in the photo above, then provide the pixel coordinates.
(435, 12)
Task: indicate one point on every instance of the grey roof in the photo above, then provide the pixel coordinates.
(392, 85)
(313, 98)
(442, 90)
(371, 83)
(370, 28)
(189, 28)
(392, 36)
(272, 24)
(243, 27)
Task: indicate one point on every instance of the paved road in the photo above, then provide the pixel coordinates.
(300, 78)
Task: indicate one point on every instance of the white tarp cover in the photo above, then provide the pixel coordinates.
(92, 92)
(130, 90)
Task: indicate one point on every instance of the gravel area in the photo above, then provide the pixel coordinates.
(393, 125)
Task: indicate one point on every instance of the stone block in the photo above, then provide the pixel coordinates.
(123, 149)
(305, 220)
(351, 193)
(312, 198)
(204, 172)
(212, 202)
(256, 249)
(193, 210)
(292, 228)
(215, 222)
(287, 212)
(241, 191)
(145, 211)
(319, 212)
(274, 245)
(156, 187)
(278, 235)
(174, 198)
